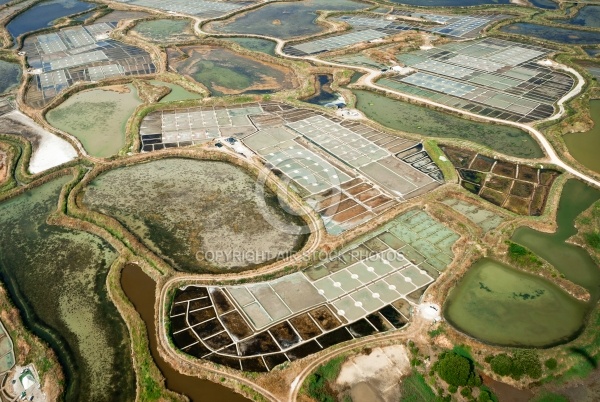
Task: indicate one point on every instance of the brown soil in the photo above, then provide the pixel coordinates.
(367, 195)
(328, 202)
(325, 318)
(222, 304)
(499, 183)
(305, 326)
(377, 201)
(342, 206)
(359, 189)
(547, 176)
(284, 333)
(522, 189)
(349, 213)
(505, 169)
(517, 205)
(461, 158)
(236, 325)
(493, 196)
(482, 163)
(527, 173)
(538, 200)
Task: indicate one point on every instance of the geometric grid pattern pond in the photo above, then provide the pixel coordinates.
(491, 77)
(79, 54)
(483, 218)
(201, 8)
(346, 171)
(361, 291)
(366, 28)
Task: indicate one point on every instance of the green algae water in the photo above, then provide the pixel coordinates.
(178, 93)
(572, 261)
(224, 72)
(584, 146)
(10, 76)
(407, 117)
(165, 30)
(97, 117)
(256, 44)
(57, 278)
(498, 304)
(285, 20)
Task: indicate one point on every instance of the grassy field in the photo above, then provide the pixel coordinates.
(415, 389)
(317, 385)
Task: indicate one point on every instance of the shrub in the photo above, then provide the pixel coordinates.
(317, 386)
(593, 239)
(502, 364)
(452, 389)
(485, 395)
(466, 391)
(551, 363)
(523, 362)
(527, 362)
(455, 369)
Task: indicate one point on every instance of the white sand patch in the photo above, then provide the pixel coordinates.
(430, 311)
(48, 150)
(381, 370)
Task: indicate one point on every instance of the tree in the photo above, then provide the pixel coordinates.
(527, 362)
(454, 369)
(551, 363)
(502, 364)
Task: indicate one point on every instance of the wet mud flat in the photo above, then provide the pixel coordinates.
(75, 315)
(201, 216)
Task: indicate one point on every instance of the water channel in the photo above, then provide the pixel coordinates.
(141, 290)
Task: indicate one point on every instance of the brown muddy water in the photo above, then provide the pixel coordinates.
(140, 289)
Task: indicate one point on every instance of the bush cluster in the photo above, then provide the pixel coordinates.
(521, 363)
(457, 370)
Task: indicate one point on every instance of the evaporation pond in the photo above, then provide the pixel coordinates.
(407, 117)
(588, 16)
(256, 44)
(584, 146)
(225, 72)
(554, 34)
(449, 3)
(57, 277)
(43, 14)
(165, 30)
(498, 304)
(97, 117)
(202, 216)
(178, 93)
(10, 76)
(572, 261)
(285, 20)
